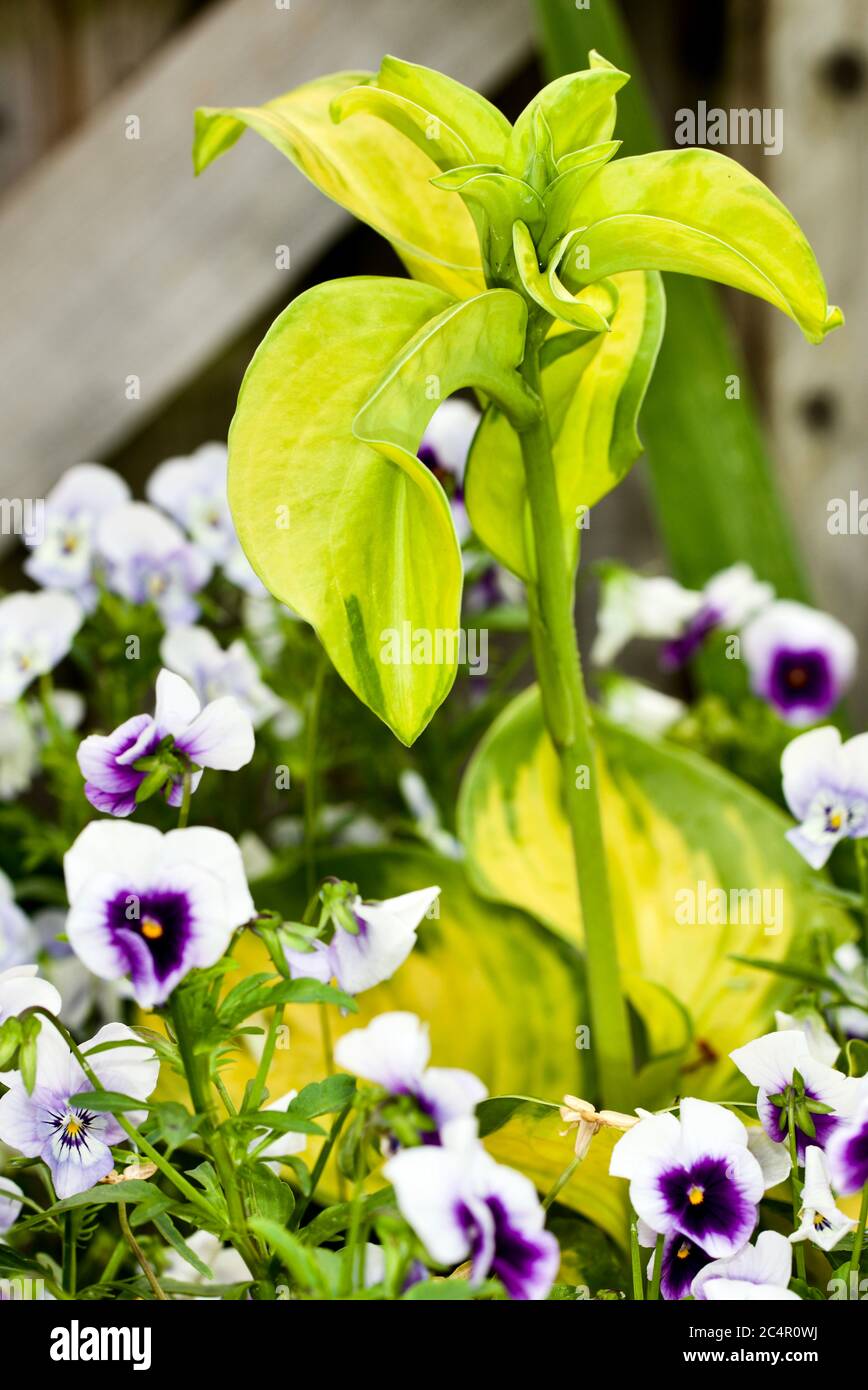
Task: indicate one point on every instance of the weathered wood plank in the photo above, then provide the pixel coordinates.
(116, 263)
(817, 57)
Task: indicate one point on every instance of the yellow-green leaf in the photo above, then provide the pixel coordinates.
(364, 164)
(698, 212)
(334, 510)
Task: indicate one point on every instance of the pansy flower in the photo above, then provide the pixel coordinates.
(36, 632)
(444, 450)
(847, 1149)
(632, 605)
(682, 1261)
(153, 906)
(149, 560)
(693, 1177)
(465, 1206)
(192, 491)
(799, 660)
(18, 941)
(195, 654)
(219, 736)
(73, 1141)
(638, 706)
(393, 1052)
(826, 788)
(758, 1272)
(729, 600)
(789, 1075)
(384, 936)
(223, 1261)
(65, 557)
(21, 988)
(820, 1219)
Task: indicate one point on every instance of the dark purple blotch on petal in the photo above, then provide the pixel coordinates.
(801, 680)
(682, 1261)
(152, 930)
(703, 1201)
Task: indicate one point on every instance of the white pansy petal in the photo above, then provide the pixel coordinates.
(77, 1168)
(21, 989)
(177, 704)
(132, 1070)
(707, 1128)
(127, 848)
(854, 756)
(190, 651)
(137, 529)
(393, 1051)
(22, 1123)
(221, 737)
(10, 1204)
(429, 1189)
(806, 762)
(450, 1092)
(773, 1159)
(814, 852)
(766, 1264)
(768, 1061)
(217, 852)
(652, 1143)
(820, 1042)
(406, 911)
(740, 1291)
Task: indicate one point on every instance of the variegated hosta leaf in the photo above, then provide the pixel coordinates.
(698, 212)
(364, 164)
(334, 510)
(484, 130)
(678, 832)
(593, 396)
(545, 288)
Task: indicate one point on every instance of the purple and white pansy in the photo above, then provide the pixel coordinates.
(36, 633)
(152, 906)
(790, 1078)
(632, 605)
(73, 1141)
(465, 1206)
(220, 736)
(693, 1177)
(826, 787)
(847, 1149)
(192, 490)
(358, 960)
(682, 1261)
(729, 600)
(821, 1220)
(393, 1052)
(195, 654)
(759, 1272)
(800, 660)
(66, 556)
(444, 450)
(149, 560)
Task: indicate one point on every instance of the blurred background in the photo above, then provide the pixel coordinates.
(133, 295)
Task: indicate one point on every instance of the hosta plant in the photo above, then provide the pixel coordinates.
(535, 254)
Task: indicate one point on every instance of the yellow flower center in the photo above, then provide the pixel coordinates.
(151, 928)
(73, 1127)
(683, 1250)
(695, 1196)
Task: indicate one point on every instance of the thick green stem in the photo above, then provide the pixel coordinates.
(567, 716)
